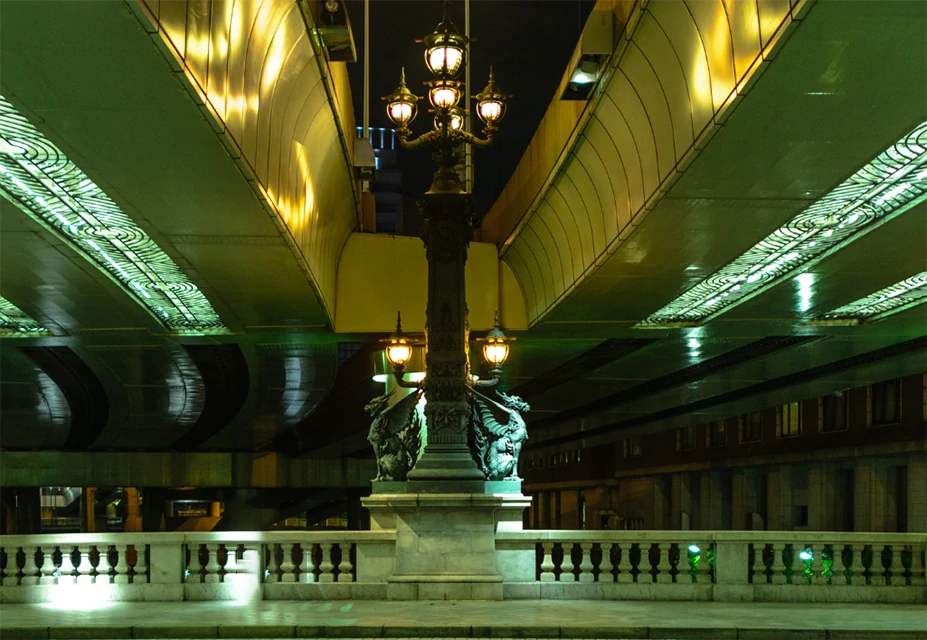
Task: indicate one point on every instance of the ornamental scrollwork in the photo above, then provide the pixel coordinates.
(497, 434)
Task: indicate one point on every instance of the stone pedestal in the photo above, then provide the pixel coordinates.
(446, 539)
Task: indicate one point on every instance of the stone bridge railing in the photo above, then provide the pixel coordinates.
(619, 565)
(781, 566)
(196, 566)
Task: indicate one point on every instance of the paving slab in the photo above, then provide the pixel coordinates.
(518, 619)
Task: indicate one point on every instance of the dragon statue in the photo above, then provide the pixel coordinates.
(498, 434)
(396, 434)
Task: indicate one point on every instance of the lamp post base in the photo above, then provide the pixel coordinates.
(446, 462)
(445, 542)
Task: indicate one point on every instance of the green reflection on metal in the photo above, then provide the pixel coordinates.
(14, 323)
(892, 183)
(37, 177)
(881, 304)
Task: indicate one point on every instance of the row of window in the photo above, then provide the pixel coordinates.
(562, 459)
(883, 408)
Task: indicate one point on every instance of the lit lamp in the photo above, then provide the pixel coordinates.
(398, 348)
(495, 349)
(444, 94)
(454, 119)
(401, 105)
(444, 49)
(490, 106)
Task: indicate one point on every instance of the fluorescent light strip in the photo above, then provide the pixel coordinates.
(37, 177)
(14, 323)
(881, 304)
(886, 187)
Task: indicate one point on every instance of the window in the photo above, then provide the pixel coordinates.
(541, 462)
(685, 439)
(716, 435)
(885, 403)
(752, 427)
(788, 420)
(834, 413)
(531, 463)
(632, 447)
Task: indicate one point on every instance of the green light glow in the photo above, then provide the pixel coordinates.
(37, 177)
(892, 183)
(16, 324)
(881, 304)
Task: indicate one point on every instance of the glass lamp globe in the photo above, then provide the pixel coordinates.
(401, 104)
(496, 347)
(495, 352)
(398, 346)
(445, 48)
(454, 119)
(490, 106)
(398, 352)
(444, 94)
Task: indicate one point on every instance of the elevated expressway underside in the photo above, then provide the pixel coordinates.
(218, 130)
(716, 128)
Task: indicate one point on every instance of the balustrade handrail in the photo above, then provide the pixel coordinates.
(198, 537)
(640, 535)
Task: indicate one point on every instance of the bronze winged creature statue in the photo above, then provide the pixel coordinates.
(395, 434)
(497, 434)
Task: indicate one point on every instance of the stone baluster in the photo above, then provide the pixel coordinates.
(779, 572)
(644, 566)
(624, 564)
(547, 563)
(10, 570)
(798, 565)
(31, 569)
(121, 570)
(664, 567)
(605, 566)
(838, 569)
(759, 564)
(287, 568)
(326, 566)
(566, 567)
(272, 574)
(307, 566)
(141, 566)
(194, 567)
(704, 566)
(103, 566)
(817, 565)
(585, 563)
(84, 567)
(213, 568)
(48, 566)
(917, 566)
(896, 569)
(876, 570)
(67, 566)
(345, 567)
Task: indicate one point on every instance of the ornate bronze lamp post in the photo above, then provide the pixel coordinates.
(446, 231)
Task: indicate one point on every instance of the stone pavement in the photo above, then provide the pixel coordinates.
(509, 619)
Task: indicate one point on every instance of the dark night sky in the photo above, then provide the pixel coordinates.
(528, 42)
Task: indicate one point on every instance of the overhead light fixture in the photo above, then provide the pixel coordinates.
(14, 323)
(902, 295)
(36, 176)
(892, 183)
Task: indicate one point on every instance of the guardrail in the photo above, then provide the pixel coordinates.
(195, 566)
(770, 566)
(714, 565)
